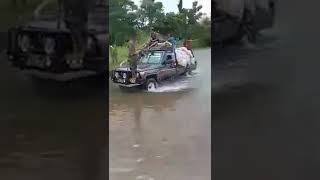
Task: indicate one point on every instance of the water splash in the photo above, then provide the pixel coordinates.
(179, 84)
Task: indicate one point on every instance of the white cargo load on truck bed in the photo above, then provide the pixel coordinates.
(184, 56)
(236, 7)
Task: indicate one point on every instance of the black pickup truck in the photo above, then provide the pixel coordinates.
(154, 67)
(40, 47)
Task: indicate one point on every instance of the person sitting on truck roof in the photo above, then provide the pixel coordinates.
(153, 41)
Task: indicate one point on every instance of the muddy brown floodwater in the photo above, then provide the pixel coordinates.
(267, 126)
(51, 130)
(164, 134)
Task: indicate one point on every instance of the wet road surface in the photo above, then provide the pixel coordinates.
(164, 134)
(267, 125)
(51, 130)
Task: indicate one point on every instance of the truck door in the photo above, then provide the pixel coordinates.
(168, 69)
(170, 65)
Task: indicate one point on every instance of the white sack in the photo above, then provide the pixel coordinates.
(183, 56)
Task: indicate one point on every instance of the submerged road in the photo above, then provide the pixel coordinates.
(164, 134)
(50, 130)
(266, 126)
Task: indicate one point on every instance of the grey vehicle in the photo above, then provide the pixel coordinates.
(234, 19)
(40, 47)
(153, 68)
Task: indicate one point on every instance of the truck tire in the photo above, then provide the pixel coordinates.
(151, 84)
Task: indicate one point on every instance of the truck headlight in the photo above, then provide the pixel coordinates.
(49, 45)
(24, 42)
(141, 74)
(116, 74)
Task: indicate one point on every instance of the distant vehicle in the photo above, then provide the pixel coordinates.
(154, 67)
(40, 47)
(234, 19)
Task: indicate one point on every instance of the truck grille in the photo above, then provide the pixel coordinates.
(121, 78)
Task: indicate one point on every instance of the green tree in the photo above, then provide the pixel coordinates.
(194, 13)
(150, 12)
(170, 23)
(122, 20)
(126, 18)
(202, 32)
(180, 6)
(190, 16)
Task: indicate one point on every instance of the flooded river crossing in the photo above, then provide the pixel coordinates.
(164, 134)
(50, 130)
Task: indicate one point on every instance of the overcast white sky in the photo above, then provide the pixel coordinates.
(171, 5)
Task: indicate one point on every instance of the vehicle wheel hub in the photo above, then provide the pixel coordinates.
(151, 86)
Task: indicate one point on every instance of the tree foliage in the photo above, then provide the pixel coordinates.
(125, 18)
(150, 12)
(122, 20)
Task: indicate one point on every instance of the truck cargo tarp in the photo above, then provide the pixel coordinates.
(236, 7)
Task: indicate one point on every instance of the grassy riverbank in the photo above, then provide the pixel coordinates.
(122, 51)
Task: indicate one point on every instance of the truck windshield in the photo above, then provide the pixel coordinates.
(152, 58)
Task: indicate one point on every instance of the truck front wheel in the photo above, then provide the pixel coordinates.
(151, 84)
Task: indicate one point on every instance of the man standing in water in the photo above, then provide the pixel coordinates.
(132, 55)
(76, 19)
